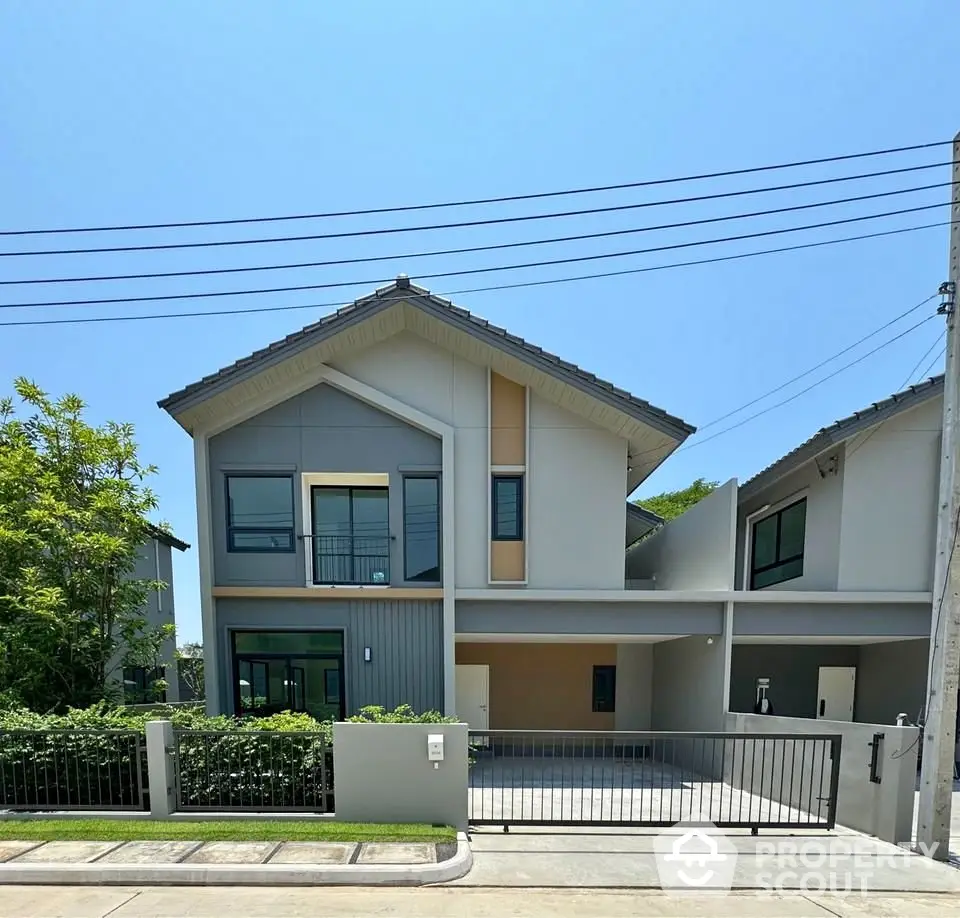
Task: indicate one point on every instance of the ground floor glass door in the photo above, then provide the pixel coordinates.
(276, 671)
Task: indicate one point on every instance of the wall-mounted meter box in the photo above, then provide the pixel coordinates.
(435, 747)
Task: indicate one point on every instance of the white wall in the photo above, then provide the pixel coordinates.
(634, 686)
(693, 552)
(890, 485)
(576, 514)
(884, 810)
(577, 481)
(824, 496)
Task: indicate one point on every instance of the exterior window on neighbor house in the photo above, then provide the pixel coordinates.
(421, 529)
(260, 513)
(351, 535)
(604, 689)
(508, 508)
(776, 553)
(138, 685)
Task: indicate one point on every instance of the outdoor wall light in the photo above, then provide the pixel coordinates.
(367, 655)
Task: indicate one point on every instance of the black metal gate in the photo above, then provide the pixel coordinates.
(732, 780)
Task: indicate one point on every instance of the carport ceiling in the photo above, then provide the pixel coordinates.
(801, 639)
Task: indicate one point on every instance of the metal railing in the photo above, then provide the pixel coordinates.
(253, 770)
(351, 559)
(653, 779)
(72, 770)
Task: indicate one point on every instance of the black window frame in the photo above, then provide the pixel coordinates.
(434, 477)
(351, 490)
(495, 534)
(778, 562)
(603, 674)
(142, 691)
(287, 657)
(232, 529)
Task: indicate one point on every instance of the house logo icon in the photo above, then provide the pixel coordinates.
(694, 856)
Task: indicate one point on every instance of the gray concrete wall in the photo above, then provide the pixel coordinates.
(404, 636)
(693, 552)
(891, 680)
(634, 699)
(688, 677)
(890, 487)
(824, 494)
(793, 670)
(320, 430)
(824, 620)
(383, 775)
(884, 810)
(475, 616)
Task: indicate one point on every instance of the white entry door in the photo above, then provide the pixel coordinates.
(835, 692)
(473, 694)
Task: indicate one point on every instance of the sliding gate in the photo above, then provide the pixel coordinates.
(733, 780)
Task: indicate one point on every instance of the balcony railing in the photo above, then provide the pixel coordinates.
(351, 559)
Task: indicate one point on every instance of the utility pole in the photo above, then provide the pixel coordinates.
(940, 716)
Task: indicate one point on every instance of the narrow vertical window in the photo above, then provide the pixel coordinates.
(507, 508)
(421, 529)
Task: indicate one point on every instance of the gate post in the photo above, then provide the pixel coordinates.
(160, 768)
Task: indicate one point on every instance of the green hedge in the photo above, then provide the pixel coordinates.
(283, 761)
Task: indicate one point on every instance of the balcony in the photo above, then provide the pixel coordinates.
(351, 560)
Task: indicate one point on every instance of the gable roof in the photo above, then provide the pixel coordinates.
(640, 522)
(168, 538)
(672, 430)
(842, 430)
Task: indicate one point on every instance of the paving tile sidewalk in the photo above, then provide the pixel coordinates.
(246, 863)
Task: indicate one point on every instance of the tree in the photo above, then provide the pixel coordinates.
(73, 516)
(670, 504)
(190, 667)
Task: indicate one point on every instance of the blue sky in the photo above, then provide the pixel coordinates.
(115, 113)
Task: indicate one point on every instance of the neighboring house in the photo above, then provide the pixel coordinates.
(845, 525)
(155, 562)
(403, 503)
(825, 563)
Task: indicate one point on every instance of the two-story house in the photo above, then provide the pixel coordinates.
(403, 503)
(825, 563)
(843, 528)
(154, 562)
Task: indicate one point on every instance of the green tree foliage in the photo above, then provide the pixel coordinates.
(73, 508)
(189, 659)
(670, 504)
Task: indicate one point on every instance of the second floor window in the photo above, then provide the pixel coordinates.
(260, 513)
(776, 553)
(421, 529)
(508, 508)
(351, 535)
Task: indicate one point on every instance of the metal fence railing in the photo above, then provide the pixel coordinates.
(253, 770)
(653, 779)
(73, 770)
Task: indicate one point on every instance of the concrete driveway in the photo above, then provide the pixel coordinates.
(809, 861)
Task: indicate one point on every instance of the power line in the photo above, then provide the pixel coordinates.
(459, 251)
(822, 363)
(814, 385)
(494, 287)
(467, 271)
(477, 201)
(903, 385)
(349, 234)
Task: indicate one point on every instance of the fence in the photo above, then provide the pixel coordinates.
(72, 770)
(653, 779)
(253, 770)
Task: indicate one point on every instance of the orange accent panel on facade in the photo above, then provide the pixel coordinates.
(507, 561)
(542, 686)
(508, 422)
